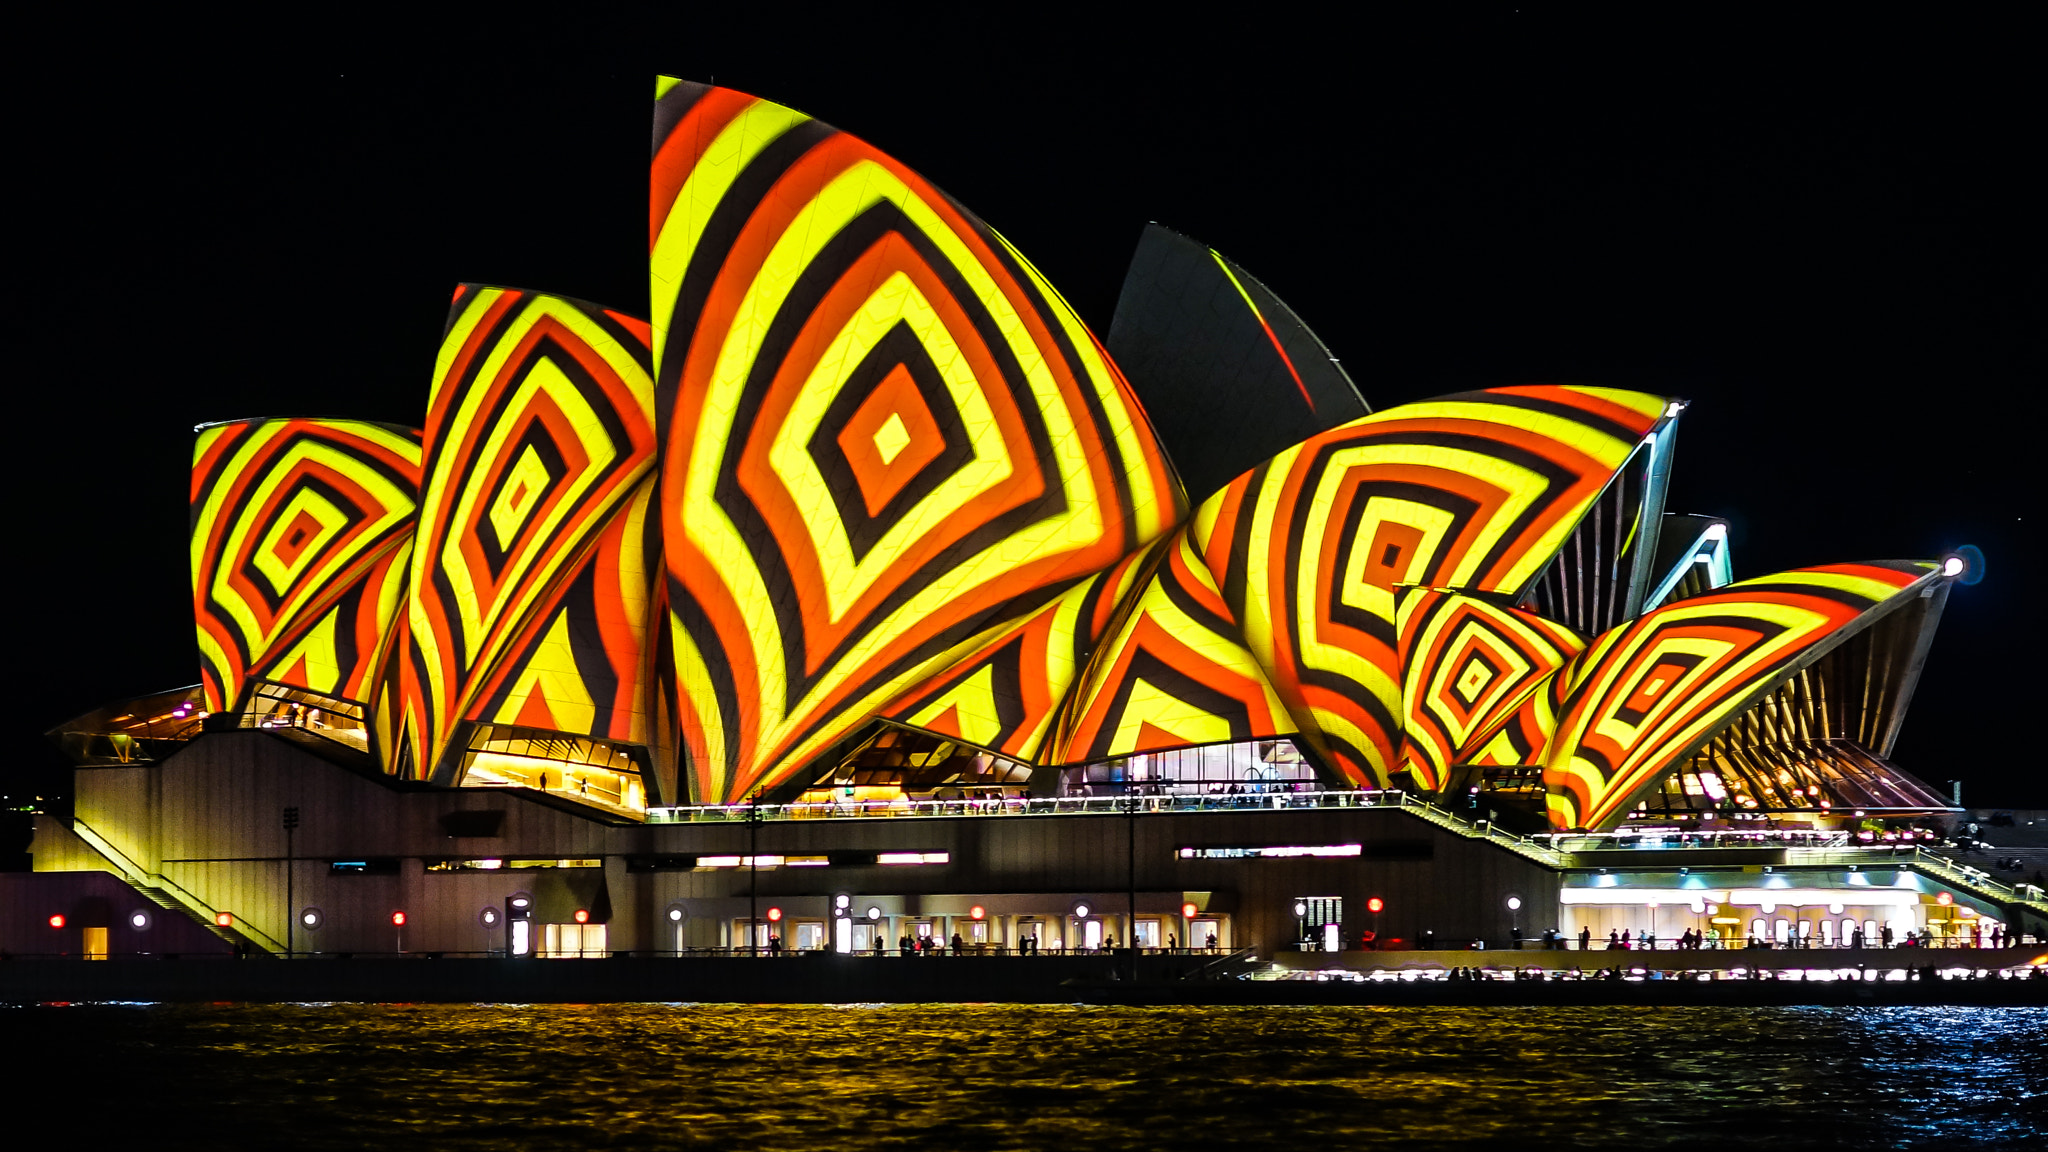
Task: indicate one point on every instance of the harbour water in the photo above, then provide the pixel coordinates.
(393, 1078)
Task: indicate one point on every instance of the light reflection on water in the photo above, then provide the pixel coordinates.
(396, 1077)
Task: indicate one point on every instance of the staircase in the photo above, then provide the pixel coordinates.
(165, 893)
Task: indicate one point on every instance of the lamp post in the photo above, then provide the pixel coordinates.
(753, 872)
(1131, 875)
(291, 915)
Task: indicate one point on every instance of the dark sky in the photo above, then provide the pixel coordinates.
(1825, 237)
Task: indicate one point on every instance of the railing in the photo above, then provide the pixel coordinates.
(152, 882)
(1020, 806)
(1111, 806)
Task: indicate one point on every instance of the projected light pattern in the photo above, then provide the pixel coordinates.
(883, 431)
(540, 427)
(1174, 673)
(299, 538)
(866, 488)
(1466, 666)
(1474, 492)
(1649, 692)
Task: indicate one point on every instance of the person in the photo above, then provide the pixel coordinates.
(904, 945)
(1856, 937)
(1211, 943)
(1171, 942)
(959, 945)
(1884, 935)
(775, 945)
(1613, 940)
(1625, 942)
(1585, 937)
(880, 940)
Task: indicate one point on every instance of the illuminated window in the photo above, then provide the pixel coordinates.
(1274, 853)
(900, 765)
(589, 771)
(273, 705)
(1247, 768)
(913, 858)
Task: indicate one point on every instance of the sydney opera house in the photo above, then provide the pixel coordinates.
(860, 592)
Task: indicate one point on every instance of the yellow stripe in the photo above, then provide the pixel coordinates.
(742, 139)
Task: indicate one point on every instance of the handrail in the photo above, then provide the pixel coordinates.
(1021, 806)
(144, 879)
(1109, 806)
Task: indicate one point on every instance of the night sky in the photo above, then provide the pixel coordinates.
(1823, 237)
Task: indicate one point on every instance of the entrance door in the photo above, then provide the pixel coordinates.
(810, 936)
(95, 943)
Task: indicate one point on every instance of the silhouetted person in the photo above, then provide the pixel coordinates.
(1585, 937)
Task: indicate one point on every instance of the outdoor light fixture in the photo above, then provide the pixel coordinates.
(1953, 566)
(1375, 904)
(311, 919)
(224, 919)
(675, 915)
(774, 915)
(1081, 911)
(1944, 899)
(57, 921)
(978, 912)
(874, 912)
(842, 901)
(1188, 911)
(1300, 908)
(1514, 903)
(139, 920)
(488, 918)
(583, 916)
(397, 919)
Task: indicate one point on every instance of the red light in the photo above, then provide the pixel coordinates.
(1188, 911)
(582, 916)
(977, 912)
(398, 919)
(57, 921)
(1375, 904)
(1944, 899)
(224, 919)
(774, 914)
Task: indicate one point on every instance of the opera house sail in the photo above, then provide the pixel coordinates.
(861, 519)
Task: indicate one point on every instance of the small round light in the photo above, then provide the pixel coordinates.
(1300, 908)
(874, 912)
(224, 919)
(311, 918)
(1953, 566)
(489, 917)
(978, 912)
(1944, 899)
(1514, 903)
(1834, 909)
(397, 919)
(1081, 911)
(583, 916)
(675, 915)
(57, 921)
(774, 915)
(842, 901)
(139, 920)
(1187, 911)
(1375, 904)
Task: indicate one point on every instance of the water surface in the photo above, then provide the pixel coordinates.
(393, 1078)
